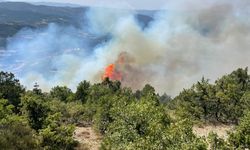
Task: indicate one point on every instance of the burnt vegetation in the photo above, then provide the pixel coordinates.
(33, 119)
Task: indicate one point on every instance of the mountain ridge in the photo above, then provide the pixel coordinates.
(17, 15)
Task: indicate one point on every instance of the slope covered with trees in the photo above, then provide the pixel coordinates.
(225, 101)
(33, 119)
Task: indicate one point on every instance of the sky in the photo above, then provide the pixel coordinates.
(142, 4)
(136, 4)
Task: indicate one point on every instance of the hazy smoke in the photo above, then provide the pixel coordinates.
(181, 45)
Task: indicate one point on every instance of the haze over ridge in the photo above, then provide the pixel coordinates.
(172, 52)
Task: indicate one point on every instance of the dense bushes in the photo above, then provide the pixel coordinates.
(15, 132)
(225, 101)
(126, 119)
(240, 139)
(56, 135)
(10, 89)
(142, 125)
(35, 108)
(136, 121)
(61, 93)
(217, 143)
(29, 121)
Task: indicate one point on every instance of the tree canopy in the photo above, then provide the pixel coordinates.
(126, 119)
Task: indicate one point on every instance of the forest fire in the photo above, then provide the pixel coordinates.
(117, 71)
(112, 73)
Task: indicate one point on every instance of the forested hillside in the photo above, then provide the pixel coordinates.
(15, 16)
(142, 119)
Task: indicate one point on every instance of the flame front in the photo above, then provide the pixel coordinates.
(112, 73)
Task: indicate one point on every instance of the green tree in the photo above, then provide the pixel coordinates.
(149, 92)
(188, 106)
(223, 102)
(57, 136)
(72, 112)
(180, 136)
(133, 123)
(229, 90)
(206, 94)
(164, 98)
(245, 102)
(240, 139)
(10, 88)
(61, 93)
(103, 116)
(217, 142)
(112, 85)
(82, 91)
(5, 108)
(15, 132)
(36, 109)
(144, 125)
(36, 90)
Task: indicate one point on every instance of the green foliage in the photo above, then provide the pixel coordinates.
(240, 139)
(82, 91)
(38, 112)
(16, 134)
(61, 93)
(14, 130)
(57, 136)
(36, 109)
(72, 112)
(223, 102)
(105, 113)
(100, 100)
(180, 136)
(5, 108)
(102, 118)
(188, 106)
(245, 102)
(75, 113)
(135, 122)
(36, 90)
(127, 120)
(229, 90)
(217, 143)
(165, 99)
(144, 124)
(10, 88)
(112, 85)
(148, 90)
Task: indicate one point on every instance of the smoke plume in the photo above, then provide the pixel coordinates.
(183, 43)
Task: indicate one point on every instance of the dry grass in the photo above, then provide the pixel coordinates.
(220, 129)
(87, 138)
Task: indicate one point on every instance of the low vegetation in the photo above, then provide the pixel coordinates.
(33, 119)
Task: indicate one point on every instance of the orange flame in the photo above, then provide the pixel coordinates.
(112, 73)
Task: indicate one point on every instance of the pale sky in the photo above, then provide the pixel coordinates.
(143, 4)
(134, 4)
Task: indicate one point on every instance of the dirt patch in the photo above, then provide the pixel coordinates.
(87, 138)
(221, 130)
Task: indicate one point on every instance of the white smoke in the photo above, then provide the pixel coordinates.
(181, 45)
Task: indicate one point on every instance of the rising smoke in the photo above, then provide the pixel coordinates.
(186, 41)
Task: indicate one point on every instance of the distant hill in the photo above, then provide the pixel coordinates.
(56, 4)
(24, 13)
(17, 15)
